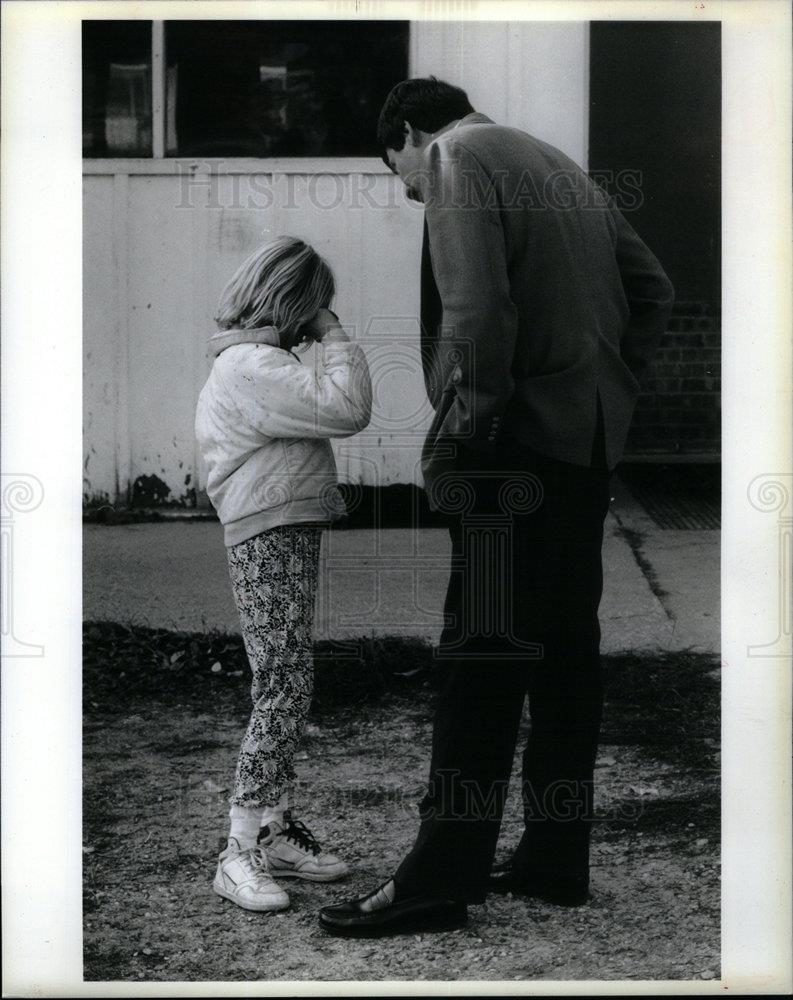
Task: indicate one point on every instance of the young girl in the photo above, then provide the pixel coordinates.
(263, 424)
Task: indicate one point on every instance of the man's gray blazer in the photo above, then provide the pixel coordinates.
(546, 299)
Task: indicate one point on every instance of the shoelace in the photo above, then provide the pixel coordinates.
(255, 864)
(302, 836)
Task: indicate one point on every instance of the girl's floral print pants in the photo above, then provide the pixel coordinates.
(274, 576)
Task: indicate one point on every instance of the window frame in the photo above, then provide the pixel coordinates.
(159, 163)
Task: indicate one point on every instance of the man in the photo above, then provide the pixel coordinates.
(540, 306)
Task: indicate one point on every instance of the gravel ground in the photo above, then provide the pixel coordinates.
(161, 732)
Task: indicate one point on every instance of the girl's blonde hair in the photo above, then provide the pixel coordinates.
(283, 284)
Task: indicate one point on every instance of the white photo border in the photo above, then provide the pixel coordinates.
(42, 444)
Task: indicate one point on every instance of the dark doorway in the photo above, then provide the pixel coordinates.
(656, 108)
(655, 135)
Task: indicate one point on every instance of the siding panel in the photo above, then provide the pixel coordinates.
(162, 336)
(100, 342)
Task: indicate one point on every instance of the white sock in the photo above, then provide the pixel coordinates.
(245, 825)
(275, 814)
(380, 898)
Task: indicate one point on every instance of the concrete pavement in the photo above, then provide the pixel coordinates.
(661, 588)
(683, 568)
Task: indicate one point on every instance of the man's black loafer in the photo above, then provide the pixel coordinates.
(375, 915)
(561, 890)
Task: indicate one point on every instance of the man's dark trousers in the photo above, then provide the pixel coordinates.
(521, 611)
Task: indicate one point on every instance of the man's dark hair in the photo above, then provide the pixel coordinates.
(428, 104)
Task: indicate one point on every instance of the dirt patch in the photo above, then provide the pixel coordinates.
(160, 741)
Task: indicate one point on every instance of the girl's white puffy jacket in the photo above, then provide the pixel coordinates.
(263, 422)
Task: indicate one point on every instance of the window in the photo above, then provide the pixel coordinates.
(117, 97)
(239, 88)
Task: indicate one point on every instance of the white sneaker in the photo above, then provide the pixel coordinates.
(243, 877)
(293, 852)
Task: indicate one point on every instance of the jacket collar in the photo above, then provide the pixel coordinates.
(475, 118)
(228, 338)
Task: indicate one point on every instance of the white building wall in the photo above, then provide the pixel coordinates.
(160, 242)
(532, 75)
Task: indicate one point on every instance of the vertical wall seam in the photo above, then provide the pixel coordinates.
(515, 105)
(123, 440)
(158, 89)
(414, 54)
(201, 313)
(587, 98)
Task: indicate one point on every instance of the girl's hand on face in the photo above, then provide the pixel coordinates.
(321, 323)
(325, 326)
